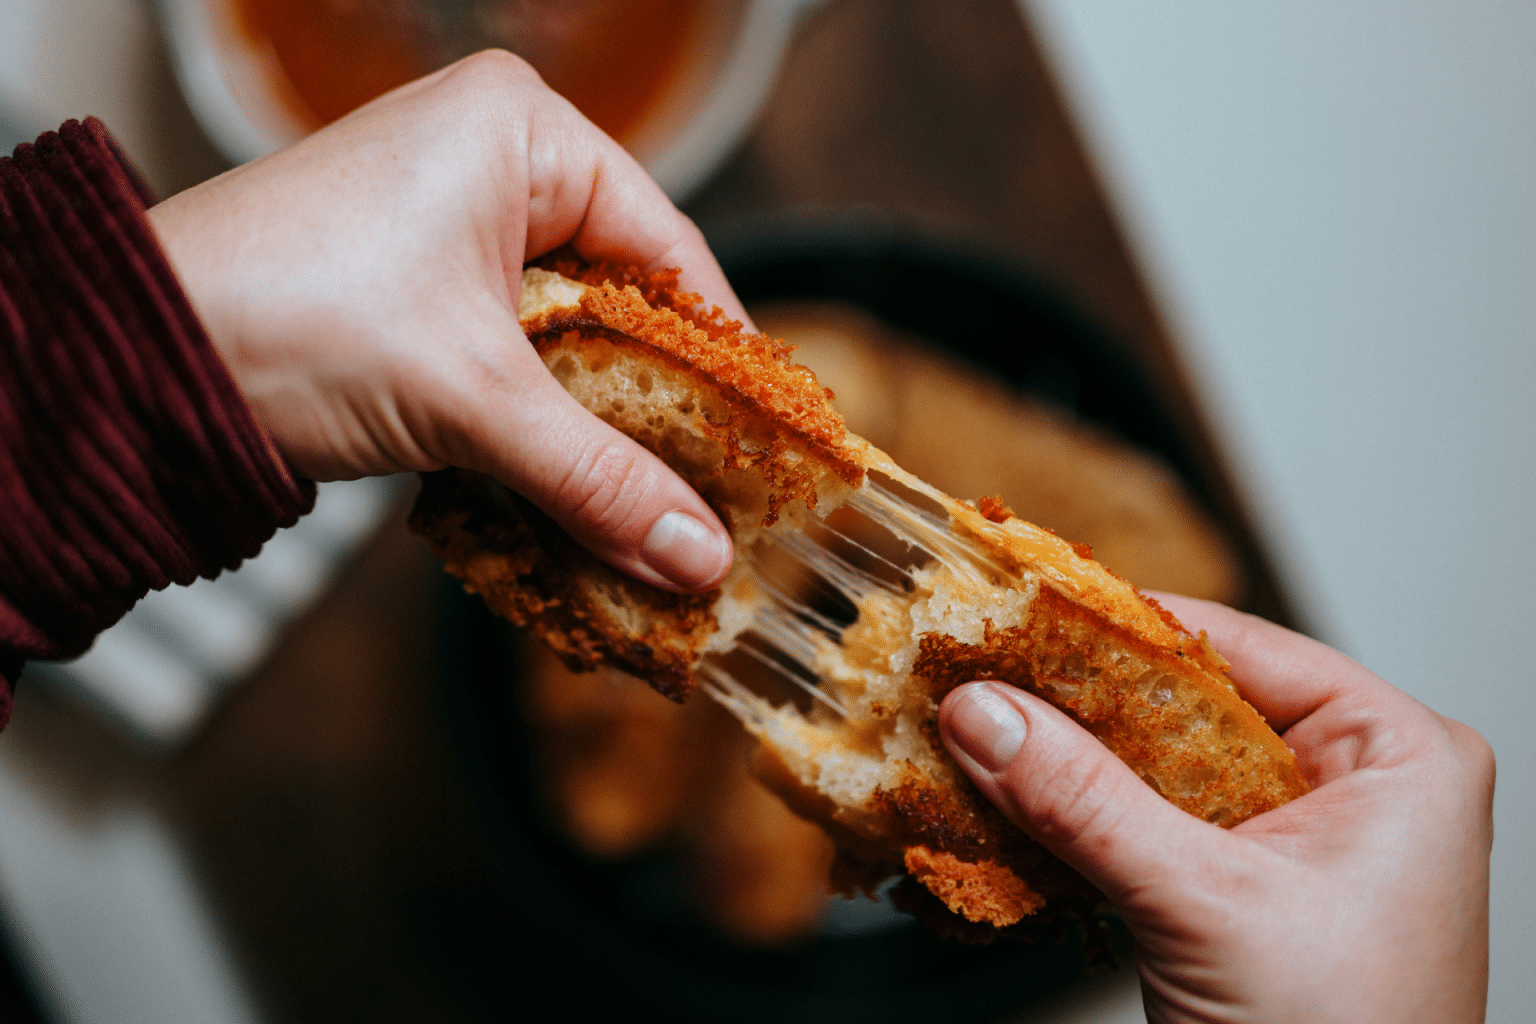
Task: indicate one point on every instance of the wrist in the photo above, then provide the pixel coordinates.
(174, 224)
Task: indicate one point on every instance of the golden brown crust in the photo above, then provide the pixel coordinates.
(1086, 641)
(1079, 636)
(1211, 754)
(784, 463)
(944, 834)
(1053, 924)
(753, 370)
(530, 572)
(770, 421)
(979, 890)
(991, 506)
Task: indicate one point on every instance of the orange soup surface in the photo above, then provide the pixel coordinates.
(611, 58)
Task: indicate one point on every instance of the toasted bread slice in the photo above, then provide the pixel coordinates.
(873, 592)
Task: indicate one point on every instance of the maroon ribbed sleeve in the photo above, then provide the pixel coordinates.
(128, 459)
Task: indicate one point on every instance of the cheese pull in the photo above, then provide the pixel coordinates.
(859, 598)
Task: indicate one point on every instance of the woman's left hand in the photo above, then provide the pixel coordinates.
(362, 287)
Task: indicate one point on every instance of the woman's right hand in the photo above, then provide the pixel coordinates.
(1364, 901)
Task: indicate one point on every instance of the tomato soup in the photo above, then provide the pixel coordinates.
(612, 58)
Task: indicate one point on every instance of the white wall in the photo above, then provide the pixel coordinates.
(1337, 206)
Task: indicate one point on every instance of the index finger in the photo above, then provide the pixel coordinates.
(1285, 675)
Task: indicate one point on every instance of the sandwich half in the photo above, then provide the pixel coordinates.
(860, 596)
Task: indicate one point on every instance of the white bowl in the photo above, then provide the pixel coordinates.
(707, 107)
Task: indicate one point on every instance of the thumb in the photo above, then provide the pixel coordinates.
(613, 496)
(1059, 784)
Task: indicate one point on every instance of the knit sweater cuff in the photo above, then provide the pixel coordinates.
(128, 459)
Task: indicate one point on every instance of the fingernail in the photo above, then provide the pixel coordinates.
(685, 551)
(987, 727)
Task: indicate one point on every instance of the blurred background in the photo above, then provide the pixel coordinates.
(1302, 239)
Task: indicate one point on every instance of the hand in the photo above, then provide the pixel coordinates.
(362, 287)
(1364, 901)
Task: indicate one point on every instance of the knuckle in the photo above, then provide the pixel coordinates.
(688, 232)
(603, 487)
(1467, 744)
(1479, 752)
(686, 237)
(1072, 802)
(491, 84)
(498, 66)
